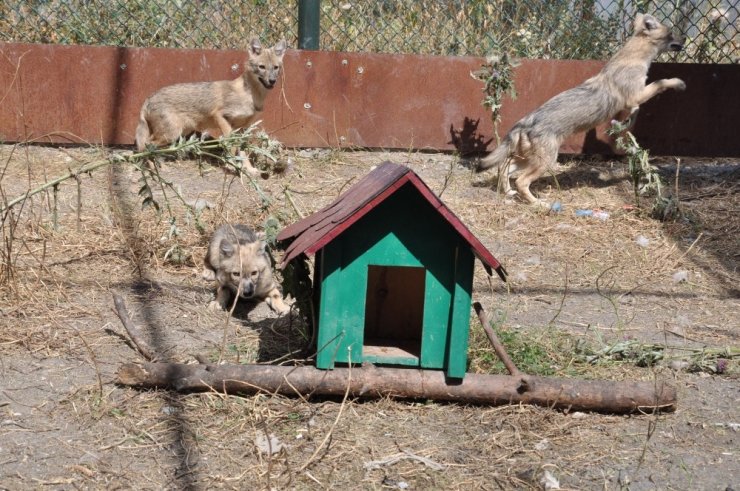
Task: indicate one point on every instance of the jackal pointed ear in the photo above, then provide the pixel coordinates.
(226, 248)
(262, 248)
(279, 48)
(649, 22)
(255, 47)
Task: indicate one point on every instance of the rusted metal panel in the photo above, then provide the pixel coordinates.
(93, 94)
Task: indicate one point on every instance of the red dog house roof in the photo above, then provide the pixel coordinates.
(316, 231)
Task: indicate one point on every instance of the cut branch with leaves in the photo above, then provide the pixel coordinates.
(645, 177)
(497, 75)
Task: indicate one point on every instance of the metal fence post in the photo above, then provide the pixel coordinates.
(308, 24)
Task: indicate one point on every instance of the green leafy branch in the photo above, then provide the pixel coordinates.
(229, 151)
(497, 75)
(645, 177)
(703, 359)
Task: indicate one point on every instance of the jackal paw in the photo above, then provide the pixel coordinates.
(678, 84)
(276, 303)
(246, 164)
(214, 306)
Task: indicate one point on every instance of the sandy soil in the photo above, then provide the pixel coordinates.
(65, 424)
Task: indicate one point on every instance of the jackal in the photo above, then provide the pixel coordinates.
(238, 262)
(182, 109)
(531, 146)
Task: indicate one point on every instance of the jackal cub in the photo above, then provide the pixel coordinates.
(237, 261)
(181, 109)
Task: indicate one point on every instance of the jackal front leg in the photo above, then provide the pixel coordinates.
(226, 128)
(655, 88)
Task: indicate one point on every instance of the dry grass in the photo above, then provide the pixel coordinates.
(575, 283)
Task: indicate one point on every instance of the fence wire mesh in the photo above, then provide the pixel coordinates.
(574, 29)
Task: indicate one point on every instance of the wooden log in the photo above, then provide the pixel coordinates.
(375, 382)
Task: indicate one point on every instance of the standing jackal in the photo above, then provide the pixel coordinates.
(531, 146)
(181, 109)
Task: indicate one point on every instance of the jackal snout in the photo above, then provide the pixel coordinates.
(663, 36)
(267, 67)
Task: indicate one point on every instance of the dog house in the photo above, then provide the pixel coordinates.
(393, 274)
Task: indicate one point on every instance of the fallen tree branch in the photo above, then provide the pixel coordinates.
(497, 346)
(133, 332)
(378, 382)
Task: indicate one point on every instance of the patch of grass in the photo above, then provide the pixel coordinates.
(546, 351)
(535, 351)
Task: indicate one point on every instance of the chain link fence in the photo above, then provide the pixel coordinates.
(574, 29)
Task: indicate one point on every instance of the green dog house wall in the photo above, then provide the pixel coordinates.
(393, 274)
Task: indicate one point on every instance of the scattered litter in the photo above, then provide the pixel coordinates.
(600, 214)
(542, 445)
(623, 478)
(269, 445)
(549, 481)
(556, 207)
(578, 415)
(680, 276)
(169, 410)
(394, 483)
(732, 426)
(377, 464)
(642, 241)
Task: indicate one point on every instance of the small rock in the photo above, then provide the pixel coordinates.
(267, 446)
(679, 365)
(680, 276)
(533, 260)
(549, 481)
(542, 445)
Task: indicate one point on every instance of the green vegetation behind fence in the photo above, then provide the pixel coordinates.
(576, 29)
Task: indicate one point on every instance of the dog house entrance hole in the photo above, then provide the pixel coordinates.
(394, 314)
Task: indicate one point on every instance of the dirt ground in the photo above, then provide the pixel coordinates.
(65, 424)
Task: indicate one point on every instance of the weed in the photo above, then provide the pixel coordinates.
(645, 177)
(498, 80)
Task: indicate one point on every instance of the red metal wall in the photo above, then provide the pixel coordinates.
(55, 93)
